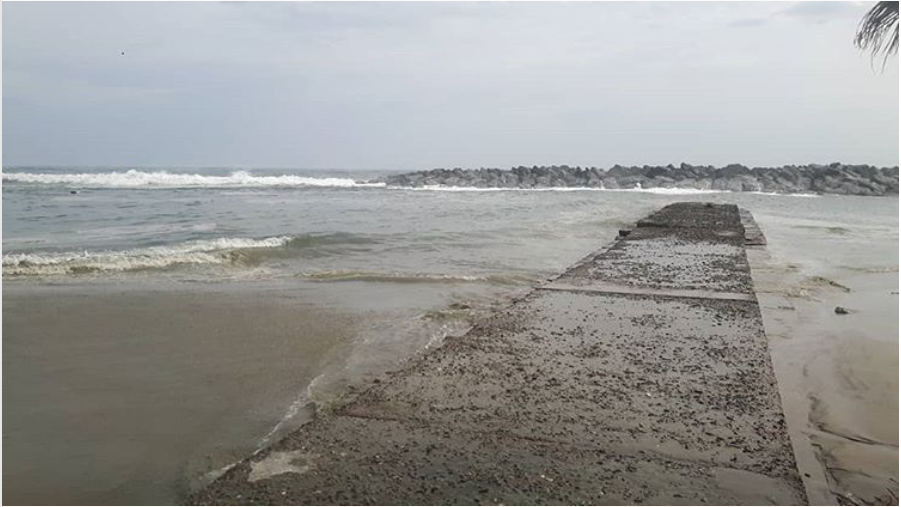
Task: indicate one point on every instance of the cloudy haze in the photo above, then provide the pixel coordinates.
(415, 85)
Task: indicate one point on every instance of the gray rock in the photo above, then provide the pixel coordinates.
(834, 178)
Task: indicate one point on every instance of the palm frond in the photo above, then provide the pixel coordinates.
(878, 30)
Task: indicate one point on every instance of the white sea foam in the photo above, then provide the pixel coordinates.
(164, 179)
(785, 195)
(663, 191)
(670, 191)
(652, 190)
(637, 188)
(215, 251)
(446, 188)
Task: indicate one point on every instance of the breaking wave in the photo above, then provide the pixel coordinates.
(663, 191)
(447, 188)
(670, 191)
(215, 251)
(800, 194)
(164, 179)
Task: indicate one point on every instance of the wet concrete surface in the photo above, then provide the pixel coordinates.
(578, 393)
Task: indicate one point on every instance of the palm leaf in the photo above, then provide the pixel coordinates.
(878, 30)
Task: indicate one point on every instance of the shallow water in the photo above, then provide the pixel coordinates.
(157, 326)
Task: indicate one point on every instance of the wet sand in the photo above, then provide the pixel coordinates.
(126, 397)
(839, 376)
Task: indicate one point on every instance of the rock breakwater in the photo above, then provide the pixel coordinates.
(808, 179)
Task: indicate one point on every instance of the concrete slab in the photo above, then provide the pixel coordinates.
(687, 378)
(567, 396)
(387, 462)
(600, 287)
(680, 258)
(701, 216)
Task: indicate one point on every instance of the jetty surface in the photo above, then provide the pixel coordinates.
(640, 375)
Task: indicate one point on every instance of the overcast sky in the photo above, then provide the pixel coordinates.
(421, 85)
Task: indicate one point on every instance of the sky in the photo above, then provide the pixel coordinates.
(422, 85)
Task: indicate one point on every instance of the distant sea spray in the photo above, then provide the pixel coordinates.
(164, 179)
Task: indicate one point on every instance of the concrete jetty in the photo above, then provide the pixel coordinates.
(640, 375)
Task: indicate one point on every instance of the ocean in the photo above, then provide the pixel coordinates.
(160, 324)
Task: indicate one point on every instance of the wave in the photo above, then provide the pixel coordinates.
(164, 179)
(670, 191)
(447, 188)
(662, 191)
(396, 277)
(225, 251)
(760, 192)
(214, 251)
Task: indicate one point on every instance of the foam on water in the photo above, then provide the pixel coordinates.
(215, 251)
(670, 191)
(163, 179)
(760, 192)
(446, 188)
(637, 188)
(662, 191)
